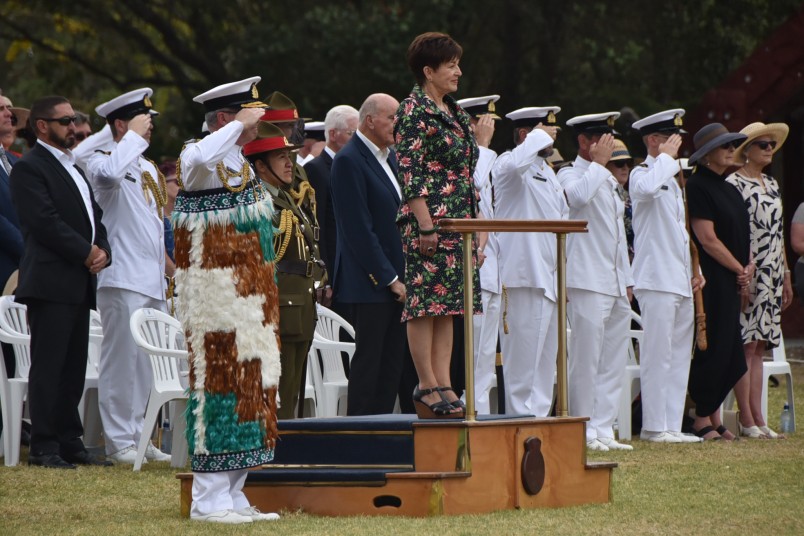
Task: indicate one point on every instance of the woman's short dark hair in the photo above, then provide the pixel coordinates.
(431, 49)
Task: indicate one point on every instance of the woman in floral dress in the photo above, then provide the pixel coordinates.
(770, 291)
(437, 155)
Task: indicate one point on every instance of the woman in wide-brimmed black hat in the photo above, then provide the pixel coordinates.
(719, 222)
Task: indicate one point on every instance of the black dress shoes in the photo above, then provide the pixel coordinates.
(53, 461)
(83, 457)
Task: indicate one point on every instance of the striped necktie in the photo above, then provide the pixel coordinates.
(4, 160)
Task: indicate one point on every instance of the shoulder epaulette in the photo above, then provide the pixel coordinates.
(643, 164)
(107, 153)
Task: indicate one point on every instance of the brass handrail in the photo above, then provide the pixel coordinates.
(561, 228)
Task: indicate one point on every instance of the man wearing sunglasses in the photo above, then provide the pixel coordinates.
(83, 129)
(65, 249)
(663, 277)
(132, 193)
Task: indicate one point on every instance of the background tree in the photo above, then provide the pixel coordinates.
(583, 56)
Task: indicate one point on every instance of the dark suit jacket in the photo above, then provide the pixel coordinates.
(318, 173)
(369, 252)
(56, 230)
(10, 234)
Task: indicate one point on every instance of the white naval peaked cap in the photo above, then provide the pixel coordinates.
(668, 121)
(594, 123)
(240, 94)
(477, 106)
(314, 129)
(127, 105)
(533, 115)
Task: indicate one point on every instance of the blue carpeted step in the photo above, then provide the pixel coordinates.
(378, 440)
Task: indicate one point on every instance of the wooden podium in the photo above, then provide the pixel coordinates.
(400, 465)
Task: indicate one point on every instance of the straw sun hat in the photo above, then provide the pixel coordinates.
(776, 131)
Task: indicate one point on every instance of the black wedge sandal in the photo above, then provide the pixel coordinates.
(438, 410)
(457, 403)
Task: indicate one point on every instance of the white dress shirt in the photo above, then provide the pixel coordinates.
(490, 270)
(382, 157)
(135, 227)
(67, 160)
(661, 242)
(199, 158)
(526, 187)
(597, 260)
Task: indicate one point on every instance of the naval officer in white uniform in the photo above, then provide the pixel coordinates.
(482, 112)
(526, 188)
(663, 279)
(132, 193)
(598, 282)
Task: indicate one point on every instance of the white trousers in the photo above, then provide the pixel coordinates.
(213, 492)
(529, 352)
(485, 341)
(597, 358)
(124, 372)
(664, 358)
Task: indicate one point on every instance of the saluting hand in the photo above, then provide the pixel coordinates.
(671, 146)
(600, 152)
(552, 131)
(250, 117)
(141, 124)
(484, 130)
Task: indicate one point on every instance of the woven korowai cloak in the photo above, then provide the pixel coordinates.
(228, 305)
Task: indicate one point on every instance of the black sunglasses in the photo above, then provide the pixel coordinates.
(730, 145)
(63, 121)
(764, 145)
(622, 163)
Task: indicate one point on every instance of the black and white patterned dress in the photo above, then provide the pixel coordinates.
(761, 322)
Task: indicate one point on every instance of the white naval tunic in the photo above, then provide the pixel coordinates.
(135, 279)
(526, 188)
(662, 273)
(199, 158)
(598, 273)
(487, 324)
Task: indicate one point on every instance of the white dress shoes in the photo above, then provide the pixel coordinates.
(230, 517)
(613, 444)
(153, 454)
(595, 444)
(686, 438)
(254, 513)
(659, 437)
(126, 455)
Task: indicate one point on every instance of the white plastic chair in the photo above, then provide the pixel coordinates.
(327, 347)
(159, 334)
(14, 331)
(88, 407)
(631, 383)
(778, 366)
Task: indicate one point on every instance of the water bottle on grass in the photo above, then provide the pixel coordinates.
(786, 421)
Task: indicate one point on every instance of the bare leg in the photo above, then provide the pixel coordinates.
(420, 341)
(754, 363)
(442, 353)
(743, 387)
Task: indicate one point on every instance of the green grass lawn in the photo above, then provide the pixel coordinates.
(748, 487)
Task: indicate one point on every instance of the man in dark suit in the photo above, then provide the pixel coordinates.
(339, 126)
(65, 249)
(369, 266)
(10, 235)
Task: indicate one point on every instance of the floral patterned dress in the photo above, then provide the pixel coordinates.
(437, 155)
(761, 322)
